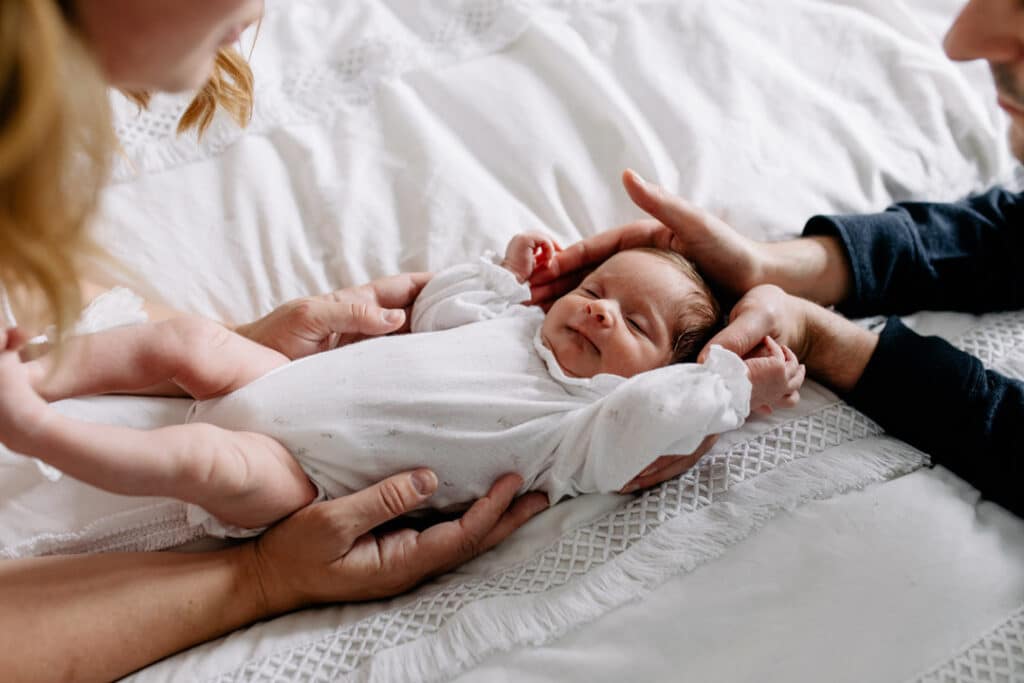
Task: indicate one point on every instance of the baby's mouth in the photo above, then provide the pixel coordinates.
(582, 335)
(547, 342)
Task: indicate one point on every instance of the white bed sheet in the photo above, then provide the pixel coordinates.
(876, 585)
(394, 136)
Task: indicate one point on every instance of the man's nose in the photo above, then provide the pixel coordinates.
(601, 313)
(986, 30)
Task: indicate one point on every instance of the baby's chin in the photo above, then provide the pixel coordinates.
(563, 354)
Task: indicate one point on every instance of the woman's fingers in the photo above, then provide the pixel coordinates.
(668, 467)
(362, 511)
(487, 522)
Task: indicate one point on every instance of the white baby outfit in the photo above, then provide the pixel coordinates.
(473, 394)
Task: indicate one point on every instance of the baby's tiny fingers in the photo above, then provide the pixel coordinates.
(12, 339)
(792, 365)
(774, 349)
(797, 380)
(790, 400)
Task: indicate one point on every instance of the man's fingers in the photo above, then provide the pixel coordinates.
(675, 213)
(393, 497)
(549, 291)
(741, 336)
(593, 250)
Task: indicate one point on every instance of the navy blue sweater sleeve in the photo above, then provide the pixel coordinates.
(965, 256)
(943, 401)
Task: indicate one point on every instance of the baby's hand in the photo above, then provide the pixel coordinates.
(529, 252)
(21, 408)
(776, 374)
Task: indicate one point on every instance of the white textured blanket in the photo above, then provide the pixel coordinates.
(392, 135)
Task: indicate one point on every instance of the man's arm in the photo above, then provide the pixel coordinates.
(967, 255)
(964, 256)
(919, 389)
(943, 401)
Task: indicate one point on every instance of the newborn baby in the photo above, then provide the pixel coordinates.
(578, 400)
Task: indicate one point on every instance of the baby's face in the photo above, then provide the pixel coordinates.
(621, 319)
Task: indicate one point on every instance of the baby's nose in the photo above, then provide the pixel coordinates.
(599, 312)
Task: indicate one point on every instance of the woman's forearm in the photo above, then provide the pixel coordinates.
(100, 617)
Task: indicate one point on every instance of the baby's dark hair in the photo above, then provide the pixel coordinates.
(700, 314)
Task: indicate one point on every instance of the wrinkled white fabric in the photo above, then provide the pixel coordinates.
(394, 135)
(472, 394)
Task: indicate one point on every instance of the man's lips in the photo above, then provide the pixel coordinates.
(1009, 106)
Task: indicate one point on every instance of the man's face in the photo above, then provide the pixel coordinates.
(621, 319)
(993, 30)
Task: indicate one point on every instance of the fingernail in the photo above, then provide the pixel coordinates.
(629, 488)
(640, 179)
(392, 317)
(424, 481)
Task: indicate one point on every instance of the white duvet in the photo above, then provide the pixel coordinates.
(412, 135)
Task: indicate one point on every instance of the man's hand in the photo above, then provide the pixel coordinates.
(529, 253)
(723, 255)
(328, 552)
(569, 266)
(764, 311)
(834, 350)
(814, 267)
(317, 323)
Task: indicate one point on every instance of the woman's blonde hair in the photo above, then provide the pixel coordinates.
(56, 143)
(230, 88)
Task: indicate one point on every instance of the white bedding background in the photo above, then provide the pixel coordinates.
(395, 135)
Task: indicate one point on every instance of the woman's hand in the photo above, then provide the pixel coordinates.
(317, 323)
(328, 552)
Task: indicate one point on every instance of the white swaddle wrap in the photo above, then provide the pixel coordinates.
(473, 394)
